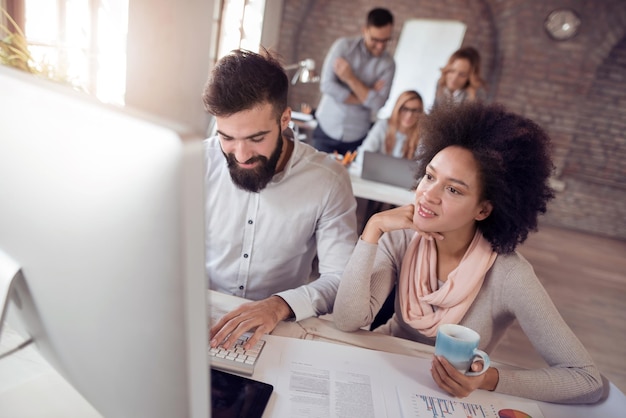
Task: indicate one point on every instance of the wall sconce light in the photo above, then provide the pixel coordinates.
(305, 72)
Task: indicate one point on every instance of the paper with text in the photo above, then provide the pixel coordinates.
(325, 387)
(320, 379)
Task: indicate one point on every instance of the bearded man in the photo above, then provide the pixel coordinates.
(272, 204)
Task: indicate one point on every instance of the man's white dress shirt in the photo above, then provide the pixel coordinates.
(261, 244)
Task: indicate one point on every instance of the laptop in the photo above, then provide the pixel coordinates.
(387, 169)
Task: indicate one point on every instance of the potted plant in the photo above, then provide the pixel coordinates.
(14, 52)
(14, 47)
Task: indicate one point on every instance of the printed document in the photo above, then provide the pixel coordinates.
(315, 379)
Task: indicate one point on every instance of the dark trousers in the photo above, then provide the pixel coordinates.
(386, 311)
(323, 142)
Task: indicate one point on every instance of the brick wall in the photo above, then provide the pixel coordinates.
(595, 164)
(575, 89)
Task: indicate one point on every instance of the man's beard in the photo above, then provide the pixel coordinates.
(255, 179)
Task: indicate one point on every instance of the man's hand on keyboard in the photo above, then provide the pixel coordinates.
(261, 316)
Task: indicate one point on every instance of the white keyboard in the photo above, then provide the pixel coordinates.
(236, 359)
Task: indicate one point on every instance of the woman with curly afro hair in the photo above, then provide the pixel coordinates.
(482, 183)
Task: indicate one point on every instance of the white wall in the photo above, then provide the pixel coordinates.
(271, 23)
(170, 50)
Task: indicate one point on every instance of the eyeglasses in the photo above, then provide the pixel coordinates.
(412, 110)
(379, 40)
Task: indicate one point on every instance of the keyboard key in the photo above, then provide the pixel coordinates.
(236, 359)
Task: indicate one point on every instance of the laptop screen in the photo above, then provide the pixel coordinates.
(387, 169)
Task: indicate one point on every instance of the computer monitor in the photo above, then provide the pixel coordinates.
(103, 213)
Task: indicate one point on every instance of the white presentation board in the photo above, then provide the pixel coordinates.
(423, 48)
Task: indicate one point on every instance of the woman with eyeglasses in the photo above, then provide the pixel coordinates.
(460, 79)
(398, 135)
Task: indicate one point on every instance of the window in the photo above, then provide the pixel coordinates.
(241, 25)
(82, 42)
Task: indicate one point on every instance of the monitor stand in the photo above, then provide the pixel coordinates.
(11, 279)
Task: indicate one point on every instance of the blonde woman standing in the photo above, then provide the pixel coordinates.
(460, 79)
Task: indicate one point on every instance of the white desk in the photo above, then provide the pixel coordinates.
(29, 387)
(318, 329)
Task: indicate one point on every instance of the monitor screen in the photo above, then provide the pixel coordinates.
(103, 213)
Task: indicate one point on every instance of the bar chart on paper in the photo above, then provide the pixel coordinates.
(416, 405)
(438, 407)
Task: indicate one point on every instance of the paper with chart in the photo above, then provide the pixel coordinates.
(418, 404)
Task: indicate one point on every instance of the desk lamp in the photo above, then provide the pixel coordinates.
(305, 71)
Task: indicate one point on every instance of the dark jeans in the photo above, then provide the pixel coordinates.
(323, 142)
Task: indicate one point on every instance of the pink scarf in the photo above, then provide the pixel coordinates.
(418, 278)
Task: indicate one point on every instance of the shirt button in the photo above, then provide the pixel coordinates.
(245, 256)
(250, 221)
(240, 287)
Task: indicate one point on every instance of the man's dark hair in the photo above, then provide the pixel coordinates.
(515, 161)
(379, 17)
(244, 79)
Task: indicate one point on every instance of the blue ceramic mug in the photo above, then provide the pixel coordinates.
(459, 345)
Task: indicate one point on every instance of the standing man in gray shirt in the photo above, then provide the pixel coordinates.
(355, 83)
